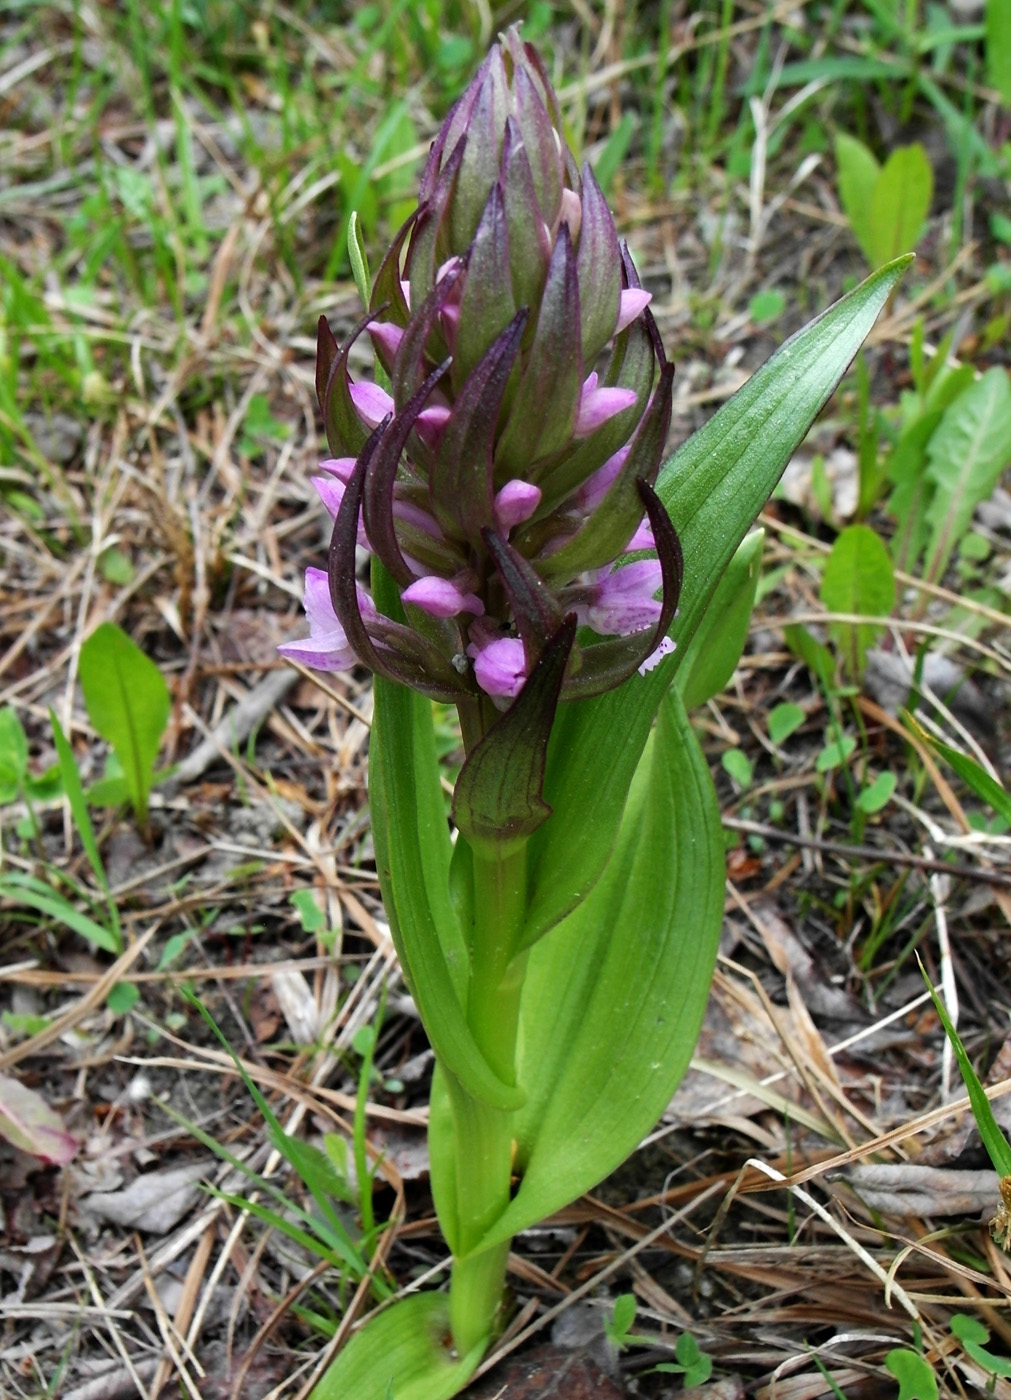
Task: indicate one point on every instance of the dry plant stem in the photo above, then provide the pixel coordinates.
(483, 1133)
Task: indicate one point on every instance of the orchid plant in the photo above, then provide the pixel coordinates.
(537, 565)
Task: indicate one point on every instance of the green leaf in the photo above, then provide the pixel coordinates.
(998, 48)
(766, 306)
(835, 754)
(967, 769)
(974, 1336)
(858, 579)
(619, 1324)
(713, 487)
(900, 203)
(996, 1144)
(359, 260)
(25, 889)
(965, 458)
(858, 178)
(13, 754)
(715, 649)
(784, 720)
(310, 915)
(413, 851)
(123, 997)
(877, 795)
(128, 702)
(603, 1047)
(79, 811)
(816, 657)
(401, 1352)
(738, 765)
(914, 1374)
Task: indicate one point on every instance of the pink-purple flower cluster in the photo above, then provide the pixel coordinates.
(498, 471)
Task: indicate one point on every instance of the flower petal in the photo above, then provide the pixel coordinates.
(632, 303)
(515, 503)
(597, 406)
(372, 403)
(500, 666)
(441, 597)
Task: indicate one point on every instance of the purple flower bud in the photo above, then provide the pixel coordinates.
(596, 406)
(631, 304)
(515, 504)
(442, 597)
(500, 666)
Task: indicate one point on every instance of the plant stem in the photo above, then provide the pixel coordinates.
(484, 1135)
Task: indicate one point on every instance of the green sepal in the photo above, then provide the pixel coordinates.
(413, 851)
(497, 801)
(713, 487)
(711, 657)
(403, 1353)
(614, 997)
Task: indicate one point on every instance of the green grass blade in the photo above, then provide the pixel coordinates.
(997, 1146)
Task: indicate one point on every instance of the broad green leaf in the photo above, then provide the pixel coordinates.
(998, 48)
(402, 1353)
(128, 702)
(614, 996)
(713, 487)
(36, 895)
(123, 997)
(13, 754)
(29, 1123)
(737, 764)
(877, 795)
(783, 720)
(858, 579)
(967, 769)
(858, 177)
(965, 458)
(974, 1337)
(900, 202)
(413, 852)
(996, 1144)
(835, 754)
(914, 1374)
(716, 647)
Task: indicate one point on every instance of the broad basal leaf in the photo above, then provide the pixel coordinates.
(403, 1353)
(128, 702)
(965, 458)
(713, 487)
(412, 856)
(858, 580)
(614, 996)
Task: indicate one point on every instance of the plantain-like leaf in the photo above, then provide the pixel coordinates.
(713, 487)
(715, 649)
(412, 857)
(614, 997)
(403, 1353)
(497, 800)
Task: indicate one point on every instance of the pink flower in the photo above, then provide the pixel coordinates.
(442, 597)
(326, 648)
(597, 406)
(499, 666)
